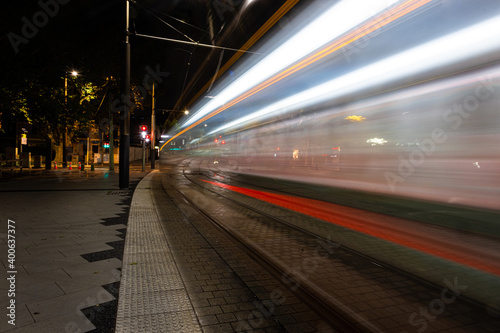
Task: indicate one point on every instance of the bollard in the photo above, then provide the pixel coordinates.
(92, 167)
(55, 165)
(83, 167)
(70, 167)
(79, 165)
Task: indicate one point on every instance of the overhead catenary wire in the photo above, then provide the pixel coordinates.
(195, 43)
(183, 22)
(168, 24)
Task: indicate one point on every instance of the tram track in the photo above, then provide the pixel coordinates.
(303, 291)
(331, 310)
(370, 259)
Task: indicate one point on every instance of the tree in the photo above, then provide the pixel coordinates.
(46, 108)
(11, 103)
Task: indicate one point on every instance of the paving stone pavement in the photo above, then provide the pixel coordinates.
(180, 274)
(68, 231)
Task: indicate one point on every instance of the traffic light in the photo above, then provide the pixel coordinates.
(105, 144)
(144, 130)
(148, 138)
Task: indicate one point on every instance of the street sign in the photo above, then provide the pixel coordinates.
(24, 139)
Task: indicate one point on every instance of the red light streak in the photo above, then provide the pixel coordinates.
(336, 214)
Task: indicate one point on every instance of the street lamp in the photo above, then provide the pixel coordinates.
(186, 112)
(74, 74)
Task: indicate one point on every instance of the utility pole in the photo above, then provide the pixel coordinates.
(111, 138)
(143, 154)
(48, 153)
(125, 114)
(65, 134)
(153, 137)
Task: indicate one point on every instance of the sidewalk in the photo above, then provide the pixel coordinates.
(7, 173)
(67, 237)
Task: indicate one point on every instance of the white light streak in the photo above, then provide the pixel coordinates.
(468, 43)
(376, 141)
(339, 19)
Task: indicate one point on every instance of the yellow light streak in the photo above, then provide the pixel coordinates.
(369, 27)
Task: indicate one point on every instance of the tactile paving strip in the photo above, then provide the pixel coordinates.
(152, 295)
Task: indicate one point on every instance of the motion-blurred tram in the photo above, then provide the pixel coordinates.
(414, 111)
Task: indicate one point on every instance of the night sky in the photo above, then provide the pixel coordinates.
(43, 39)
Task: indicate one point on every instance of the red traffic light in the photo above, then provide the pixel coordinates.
(148, 137)
(144, 128)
